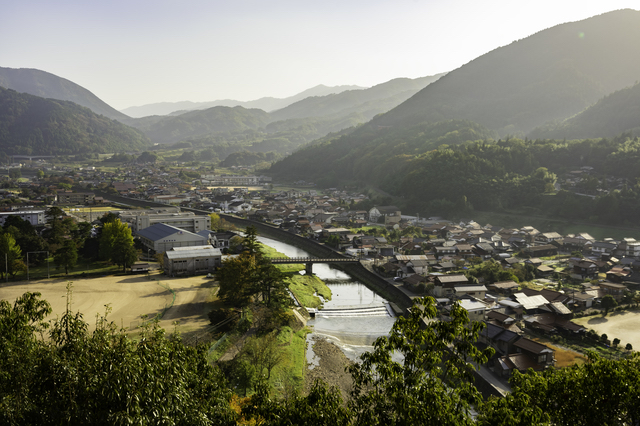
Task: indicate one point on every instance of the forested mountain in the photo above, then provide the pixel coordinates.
(550, 75)
(368, 102)
(213, 121)
(32, 125)
(266, 104)
(610, 116)
(47, 85)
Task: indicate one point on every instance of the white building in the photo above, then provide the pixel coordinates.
(34, 217)
(192, 260)
(188, 221)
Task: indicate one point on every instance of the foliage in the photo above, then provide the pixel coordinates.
(66, 256)
(103, 377)
(601, 391)
(116, 244)
(434, 382)
(10, 255)
(608, 303)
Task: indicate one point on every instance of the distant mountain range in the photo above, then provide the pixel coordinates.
(47, 85)
(303, 121)
(266, 104)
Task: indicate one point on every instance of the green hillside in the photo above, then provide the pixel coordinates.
(610, 116)
(46, 85)
(31, 125)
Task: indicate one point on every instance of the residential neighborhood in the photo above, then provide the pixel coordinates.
(519, 282)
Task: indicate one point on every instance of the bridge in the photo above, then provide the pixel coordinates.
(309, 261)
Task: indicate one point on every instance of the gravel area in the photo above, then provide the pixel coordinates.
(331, 367)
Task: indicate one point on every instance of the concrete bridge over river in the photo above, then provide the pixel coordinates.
(309, 261)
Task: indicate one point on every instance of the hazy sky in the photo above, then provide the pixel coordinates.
(134, 52)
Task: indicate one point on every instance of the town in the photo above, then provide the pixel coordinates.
(533, 290)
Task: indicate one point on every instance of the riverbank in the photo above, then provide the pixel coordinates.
(330, 367)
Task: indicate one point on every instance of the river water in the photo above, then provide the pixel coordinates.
(353, 318)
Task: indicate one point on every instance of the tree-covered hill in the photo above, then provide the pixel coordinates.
(610, 116)
(32, 125)
(47, 85)
(197, 124)
(550, 75)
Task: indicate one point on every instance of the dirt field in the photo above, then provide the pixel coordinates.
(130, 297)
(623, 325)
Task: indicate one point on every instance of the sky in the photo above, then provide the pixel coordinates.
(137, 52)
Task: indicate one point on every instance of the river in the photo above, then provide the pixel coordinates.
(353, 318)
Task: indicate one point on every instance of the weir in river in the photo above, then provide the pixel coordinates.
(354, 317)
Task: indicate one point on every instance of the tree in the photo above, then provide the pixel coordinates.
(116, 244)
(66, 256)
(250, 244)
(601, 391)
(235, 278)
(434, 382)
(10, 254)
(608, 303)
(616, 342)
(263, 353)
(629, 347)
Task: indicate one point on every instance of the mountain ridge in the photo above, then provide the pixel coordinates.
(266, 104)
(47, 85)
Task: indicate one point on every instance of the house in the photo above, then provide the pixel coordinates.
(500, 319)
(475, 309)
(444, 284)
(192, 260)
(547, 237)
(504, 287)
(498, 337)
(416, 264)
(553, 323)
(391, 215)
(614, 289)
(544, 271)
(529, 354)
(541, 251)
(477, 291)
(603, 248)
(583, 268)
(464, 250)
